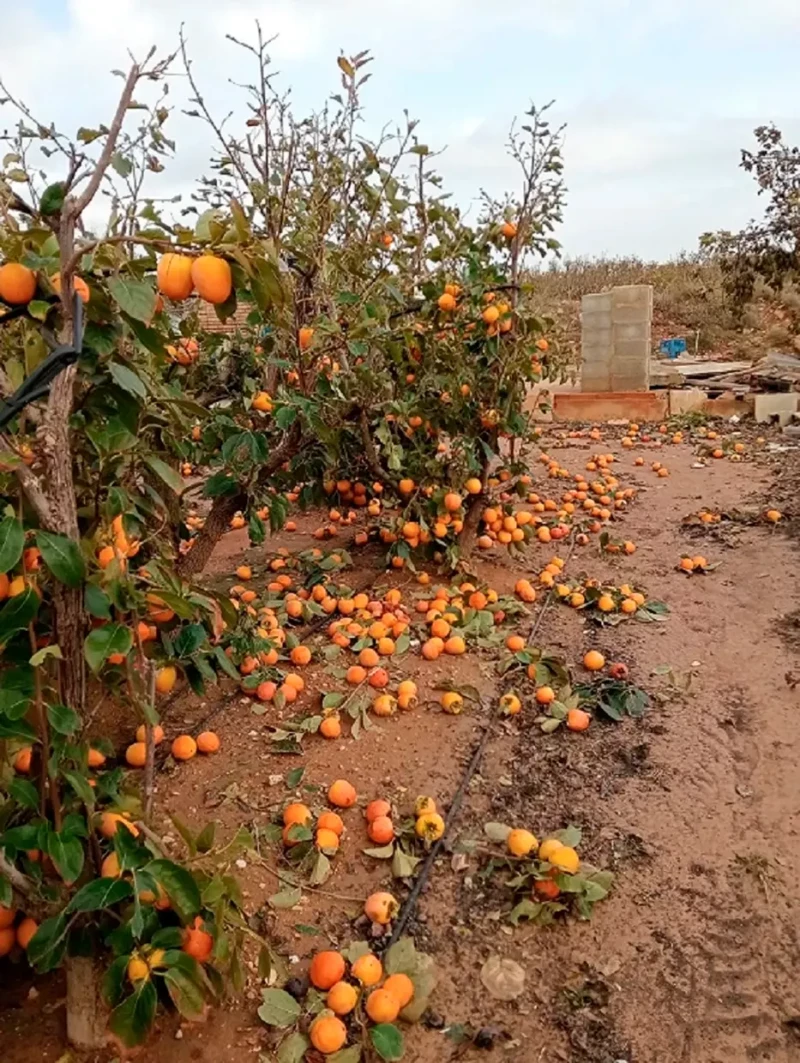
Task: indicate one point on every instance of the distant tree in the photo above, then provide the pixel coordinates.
(769, 249)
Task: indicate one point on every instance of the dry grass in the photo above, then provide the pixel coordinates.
(688, 301)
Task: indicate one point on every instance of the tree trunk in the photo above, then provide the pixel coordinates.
(87, 1015)
(469, 533)
(219, 516)
(215, 526)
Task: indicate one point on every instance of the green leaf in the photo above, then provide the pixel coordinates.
(387, 1041)
(80, 785)
(17, 613)
(165, 473)
(131, 1020)
(127, 380)
(180, 885)
(403, 865)
(279, 1009)
(294, 1048)
(62, 556)
(39, 309)
(219, 484)
(16, 729)
(48, 945)
(114, 981)
(112, 437)
(96, 602)
(16, 691)
(286, 898)
(24, 793)
(12, 540)
(186, 994)
(63, 720)
(256, 529)
(98, 894)
(134, 297)
(6, 892)
(53, 198)
(67, 854)
(188, 640)
(41, 655)
(352, 1054)
(570, 836)
(121, 164)
(294, 777)
(103, 641)
(401, 958)
(496, 832)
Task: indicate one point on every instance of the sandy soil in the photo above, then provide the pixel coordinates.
(696, 807)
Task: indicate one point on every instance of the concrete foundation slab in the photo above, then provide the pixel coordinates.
(642, 406)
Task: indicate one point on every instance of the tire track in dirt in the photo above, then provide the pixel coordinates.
(712, 979)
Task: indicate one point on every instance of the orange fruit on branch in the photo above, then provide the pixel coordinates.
(174, 276)
(136, 754)
(17, 284)
(25, 931)
(212, 278)
(382, 1006)
(197, 942)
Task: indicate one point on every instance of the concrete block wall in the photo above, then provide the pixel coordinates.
(616, 339)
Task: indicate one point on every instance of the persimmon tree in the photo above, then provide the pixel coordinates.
(92, 606)
(390, 343)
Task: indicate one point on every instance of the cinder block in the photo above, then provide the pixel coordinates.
(596, 318)
(686, 400)
(781, 405)
(639, 330)
(632, 295)
(637, 350)
(631, 315)
(596, 351)
(596, 302)
(595, 382)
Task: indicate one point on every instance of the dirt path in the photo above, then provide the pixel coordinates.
(696, 808)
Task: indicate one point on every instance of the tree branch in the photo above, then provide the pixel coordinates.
(78, 205)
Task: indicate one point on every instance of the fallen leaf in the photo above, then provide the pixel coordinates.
(504, 979)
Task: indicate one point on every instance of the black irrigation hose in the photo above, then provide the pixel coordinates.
(410, 902)
(37, 384)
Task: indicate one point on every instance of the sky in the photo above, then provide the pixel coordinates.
(658, 96)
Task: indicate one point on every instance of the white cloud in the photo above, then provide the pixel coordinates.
(653, 138)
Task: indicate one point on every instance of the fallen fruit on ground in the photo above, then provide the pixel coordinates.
(328, 1034)
(381, 908)
(367, 969)
(382, 1006)
(326, 969)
